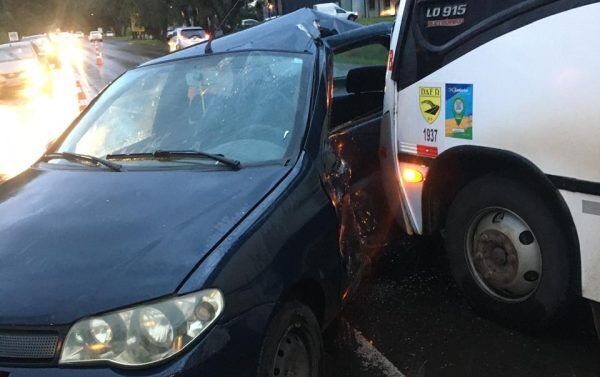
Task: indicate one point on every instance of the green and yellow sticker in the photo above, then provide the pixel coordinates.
(459, 111)
(430, 102)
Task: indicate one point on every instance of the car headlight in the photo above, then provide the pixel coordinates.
(144, 334)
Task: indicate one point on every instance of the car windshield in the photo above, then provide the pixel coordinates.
(40, 42)
(247, 106)
(10, 53)
(190, 33)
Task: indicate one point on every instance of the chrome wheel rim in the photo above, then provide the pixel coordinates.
(503, 255)
(292, 358)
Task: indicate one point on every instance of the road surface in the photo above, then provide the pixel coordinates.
(411, 314)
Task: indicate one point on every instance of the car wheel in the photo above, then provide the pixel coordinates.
(352, 17)
(509, 254)
(293, 344)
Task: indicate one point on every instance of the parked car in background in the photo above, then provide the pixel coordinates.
(79, 34)
(170, 32)
(247, 23)
(181, 223)
(271, 18)
(21, 69)
(187, 36)
(95, 36)
(336, 11)
(110, 33)
(44, 48)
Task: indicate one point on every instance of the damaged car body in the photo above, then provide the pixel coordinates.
(216, 204)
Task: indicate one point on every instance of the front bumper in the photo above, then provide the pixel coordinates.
(229, 349)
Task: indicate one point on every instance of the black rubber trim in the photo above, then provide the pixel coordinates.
(414, 159)
(575, 185)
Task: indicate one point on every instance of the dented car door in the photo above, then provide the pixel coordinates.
(357, 69)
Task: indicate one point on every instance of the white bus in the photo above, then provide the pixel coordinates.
(491, 137)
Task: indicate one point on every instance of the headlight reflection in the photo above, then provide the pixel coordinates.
(145, 334)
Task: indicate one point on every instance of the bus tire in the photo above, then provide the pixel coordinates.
(509, 253)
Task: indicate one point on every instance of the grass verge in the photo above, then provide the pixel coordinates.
(141, 42)
(376, 20)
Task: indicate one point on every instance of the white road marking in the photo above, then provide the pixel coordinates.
(373, 359)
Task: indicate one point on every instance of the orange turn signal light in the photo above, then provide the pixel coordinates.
(411, 175)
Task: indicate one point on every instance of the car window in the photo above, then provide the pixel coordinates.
(248, 106)
(189, 33)
(373, 54)
(339, 10)
(16, 53)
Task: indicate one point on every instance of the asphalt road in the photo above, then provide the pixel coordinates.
(413, 316)
(407, 319)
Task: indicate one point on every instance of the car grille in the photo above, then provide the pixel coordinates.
(23, 346)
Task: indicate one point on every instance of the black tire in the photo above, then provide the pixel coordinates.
(352, 18)
(556, 283)
(293, 327)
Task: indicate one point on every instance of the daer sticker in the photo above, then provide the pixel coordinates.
(459, 111)
(430, 102)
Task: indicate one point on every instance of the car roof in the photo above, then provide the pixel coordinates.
(294, 32)
(16, 44)
(37, 36)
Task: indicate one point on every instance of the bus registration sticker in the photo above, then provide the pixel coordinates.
(430, 102)
(459, 111)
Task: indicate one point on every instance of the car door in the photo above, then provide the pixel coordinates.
(352, 175)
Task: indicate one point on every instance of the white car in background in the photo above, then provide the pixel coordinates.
(110, 33)
(187, 36)
(95, 36)
(336, 11)
(20, 68)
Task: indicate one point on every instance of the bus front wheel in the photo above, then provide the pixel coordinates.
(508, 252)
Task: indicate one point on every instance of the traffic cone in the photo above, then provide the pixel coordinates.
(99, 60)
(81, 97)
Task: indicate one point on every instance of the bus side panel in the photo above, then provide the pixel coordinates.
(534, 92)
(389, 134)
(585, 210)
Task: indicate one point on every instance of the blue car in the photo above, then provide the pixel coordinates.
(208, 215)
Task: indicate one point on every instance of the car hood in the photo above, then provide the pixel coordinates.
(16, 65)
(78, 243)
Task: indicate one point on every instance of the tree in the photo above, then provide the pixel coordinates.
(40, 16)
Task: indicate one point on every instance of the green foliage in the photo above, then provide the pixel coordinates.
(376, 20)
(40, 16)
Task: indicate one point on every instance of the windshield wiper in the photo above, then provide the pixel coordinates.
(82, 158)
(177, 155)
